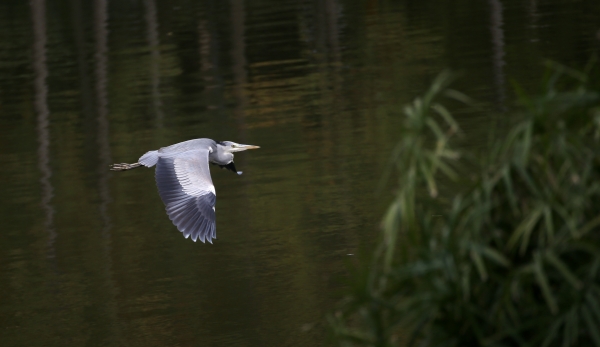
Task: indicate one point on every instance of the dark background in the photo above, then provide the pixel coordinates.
(89, 258)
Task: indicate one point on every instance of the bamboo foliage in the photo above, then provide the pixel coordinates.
(510, 256)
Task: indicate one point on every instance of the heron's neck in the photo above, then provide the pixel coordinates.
(220, 156)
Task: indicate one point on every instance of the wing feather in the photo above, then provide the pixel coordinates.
(186, 189)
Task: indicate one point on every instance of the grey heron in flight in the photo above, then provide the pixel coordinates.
(184, 183)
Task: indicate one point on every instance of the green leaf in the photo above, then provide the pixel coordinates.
(548, 222)
(435, 128)
(443, 167)
(542, 280)
(390, 227)
(551, 334)
(496, 256)
(524, 230)
(588, 227)
(510, 190)
(479, 265)
(563, 269)
(429, 179)
(593, 304)
(526, 145)
(458, 96)
(446, 115)
(528, 181)
(592, 327)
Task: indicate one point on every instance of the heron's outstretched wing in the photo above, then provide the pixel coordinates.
(185, 186)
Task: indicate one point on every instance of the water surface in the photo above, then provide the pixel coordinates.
(88, 257)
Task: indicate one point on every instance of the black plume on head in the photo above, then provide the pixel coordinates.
(230, 167)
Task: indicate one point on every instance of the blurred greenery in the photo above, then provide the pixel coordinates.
(509, 253)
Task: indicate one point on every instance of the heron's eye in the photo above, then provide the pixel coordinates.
(232, 146)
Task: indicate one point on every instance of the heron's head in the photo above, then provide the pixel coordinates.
(232, 147)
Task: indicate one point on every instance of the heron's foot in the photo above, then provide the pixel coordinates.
(124, 166)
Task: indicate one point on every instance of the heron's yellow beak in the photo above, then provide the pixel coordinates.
(239, 148)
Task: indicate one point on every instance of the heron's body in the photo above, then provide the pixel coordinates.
(184, 182)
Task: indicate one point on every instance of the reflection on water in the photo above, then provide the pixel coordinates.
(317, 84)
(498, 52)
(102, 137)
(153, 43)
(238, 59)
(109, 311)
(43, 113)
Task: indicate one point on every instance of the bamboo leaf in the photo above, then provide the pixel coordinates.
(390, 227)
(569, 221)
(445, 168)
(588, 227)
(496, 256)
(479, 265)
(429, 179)
(510, 190)
(446, 115)
(524, 230)
(592, 326)
(556, 66)
(526, 145)
(563, 269)
(435, 128)
(548, 222)
(458, 96)
(593, 304)
(528, 181)
(449, 154)
(542, 280)
(571, 327)
(551, 334)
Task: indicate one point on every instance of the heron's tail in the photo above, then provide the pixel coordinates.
(149, 159)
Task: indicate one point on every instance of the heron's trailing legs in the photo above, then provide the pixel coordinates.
(124, 166)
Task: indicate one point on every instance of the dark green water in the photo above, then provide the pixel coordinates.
(89, 258)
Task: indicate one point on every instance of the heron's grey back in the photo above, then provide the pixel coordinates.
(149, 159)
(190, 145)
(186, 188)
